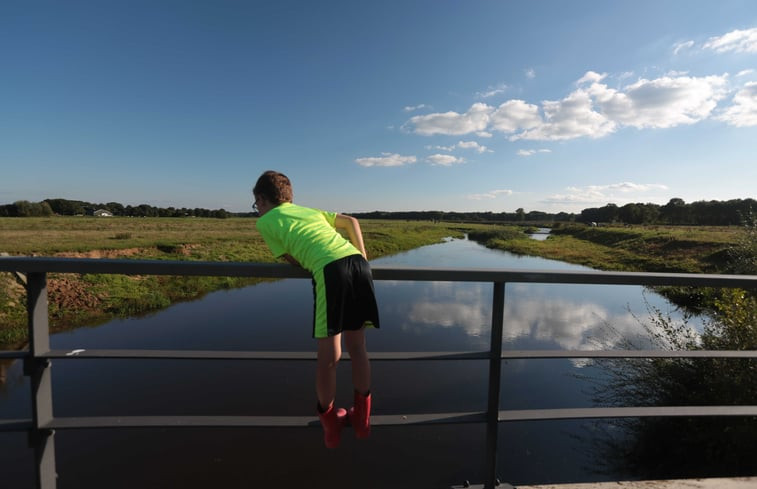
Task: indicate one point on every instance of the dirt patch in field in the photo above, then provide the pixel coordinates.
(70, 294)
(185, 249)
(67, 296)
(10, 288)
(126, 252)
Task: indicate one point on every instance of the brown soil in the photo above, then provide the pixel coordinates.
(69, 294)
(101, 253)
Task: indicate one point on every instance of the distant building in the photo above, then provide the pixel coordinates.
(102, 213)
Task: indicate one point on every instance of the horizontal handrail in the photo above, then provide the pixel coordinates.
(62, 423)
(15, 425)
(473, 417)
(380, 272)
(383, 356)
(625, 412)
(11, 355)
(257, 355)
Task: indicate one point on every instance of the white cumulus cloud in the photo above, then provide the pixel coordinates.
(473, 145)
(412, 108)
(619, 193)
(492, 194)
(462, 145)
(629, 187)
(452, 123)
(738, 41)
(386, 159)
(591, 77)
(743, 111)
(680, 46)
(662, 102)
(492, 91)
(594, 109)
(531, 152)
(442, 148)
(444, 160)
(572, 117)
(515, 115)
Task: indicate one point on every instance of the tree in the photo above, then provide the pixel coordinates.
(23, 208)
(608, 213)
(65, 207)
(675, 212)
(115, 208)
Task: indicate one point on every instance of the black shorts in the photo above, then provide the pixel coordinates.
(343, 297)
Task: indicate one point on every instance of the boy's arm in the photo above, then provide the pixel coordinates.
(352, 226)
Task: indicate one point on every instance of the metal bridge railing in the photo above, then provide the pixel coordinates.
(37, 360)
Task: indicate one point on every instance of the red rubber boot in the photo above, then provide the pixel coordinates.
(332, 421)
(360, 415)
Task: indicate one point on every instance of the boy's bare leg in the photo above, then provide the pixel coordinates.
(354, 343)
(329, 352)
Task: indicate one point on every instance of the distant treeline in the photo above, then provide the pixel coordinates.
(518, 216)
(675, 212)
(65, 207)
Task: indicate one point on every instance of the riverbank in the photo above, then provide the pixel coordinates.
(86, 300)
(682, 249)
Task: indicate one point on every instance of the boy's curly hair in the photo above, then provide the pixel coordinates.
(275, 187)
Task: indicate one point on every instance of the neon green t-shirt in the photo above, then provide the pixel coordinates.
(308, 235)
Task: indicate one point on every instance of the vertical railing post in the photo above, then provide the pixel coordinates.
(495, 372)
(41, 437)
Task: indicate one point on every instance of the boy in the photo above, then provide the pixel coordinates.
(344, 299)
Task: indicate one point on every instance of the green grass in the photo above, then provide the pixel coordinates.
(659, 248)
(92, 299)
(637, 248)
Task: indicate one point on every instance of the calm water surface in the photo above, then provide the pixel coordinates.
(416, 316)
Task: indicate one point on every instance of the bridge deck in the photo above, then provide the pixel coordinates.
(715, 483)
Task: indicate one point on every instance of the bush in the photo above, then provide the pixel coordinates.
(687, 447)
(743, 256)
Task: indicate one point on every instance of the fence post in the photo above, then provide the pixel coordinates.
(495, 373)
(41, 437)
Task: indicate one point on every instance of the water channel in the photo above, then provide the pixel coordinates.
(416, 316)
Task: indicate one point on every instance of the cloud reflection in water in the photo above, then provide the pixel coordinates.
(535, 316)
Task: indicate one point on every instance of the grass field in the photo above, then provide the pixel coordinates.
(91, 299)
(77, 300)
(232, 239)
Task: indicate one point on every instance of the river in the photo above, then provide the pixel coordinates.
(415, 316)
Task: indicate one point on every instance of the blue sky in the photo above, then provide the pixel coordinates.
(392, 105)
